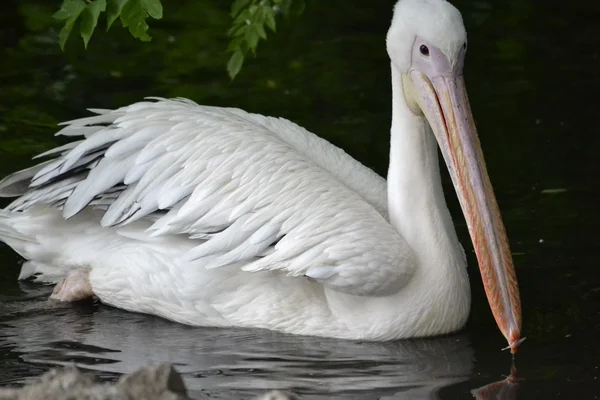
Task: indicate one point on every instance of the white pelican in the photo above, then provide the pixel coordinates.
(217, 217)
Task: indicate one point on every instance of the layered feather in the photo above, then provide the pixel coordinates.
(251, 190)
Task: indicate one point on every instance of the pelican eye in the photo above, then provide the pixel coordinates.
(424, 50)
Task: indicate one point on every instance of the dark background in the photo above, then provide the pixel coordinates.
(533, 78)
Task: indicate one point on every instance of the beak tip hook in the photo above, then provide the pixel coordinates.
(514, 346)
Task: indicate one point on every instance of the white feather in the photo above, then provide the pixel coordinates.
(218, 217)
(108, 173)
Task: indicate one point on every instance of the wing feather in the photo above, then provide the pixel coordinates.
(18, 182)
(107, 174)
(252, 191)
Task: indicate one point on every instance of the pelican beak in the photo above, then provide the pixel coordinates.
(444, 102)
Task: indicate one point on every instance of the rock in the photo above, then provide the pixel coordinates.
(159, 382)
(277, 395)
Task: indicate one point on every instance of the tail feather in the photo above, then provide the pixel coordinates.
(8, 232)
(16, 184)
(41, 273)
(21, 231)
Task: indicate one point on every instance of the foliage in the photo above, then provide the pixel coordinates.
(133, 15)
(250, 17)
(250, 20)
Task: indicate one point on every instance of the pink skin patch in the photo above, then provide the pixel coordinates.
(75, 287)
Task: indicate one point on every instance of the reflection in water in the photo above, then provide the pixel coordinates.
(219, 363)
(505, 389)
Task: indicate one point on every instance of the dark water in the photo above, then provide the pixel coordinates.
(533, 76)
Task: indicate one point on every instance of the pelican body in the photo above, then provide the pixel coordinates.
(217, 217)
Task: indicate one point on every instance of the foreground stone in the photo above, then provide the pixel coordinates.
(160, 382)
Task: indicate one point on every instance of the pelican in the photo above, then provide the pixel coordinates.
(217, 217)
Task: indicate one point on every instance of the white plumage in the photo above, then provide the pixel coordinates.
(218, 217)
(266, 192)
(192, 205)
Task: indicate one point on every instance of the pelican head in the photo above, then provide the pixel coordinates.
(427, 43)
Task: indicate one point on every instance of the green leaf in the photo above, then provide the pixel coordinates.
(237, 6)
(153, 8)
(260, 29)
(292, 7)
(252, 36)
(236, 30)
(89, 19)
(270, 17)
(235, 44)
(250, 17)
(259, 25)
(134, 14)
(234, 65)
(113, 11)
(70, 10)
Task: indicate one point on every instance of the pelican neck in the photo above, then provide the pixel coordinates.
(416, 203)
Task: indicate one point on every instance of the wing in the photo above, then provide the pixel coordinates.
(255, 192)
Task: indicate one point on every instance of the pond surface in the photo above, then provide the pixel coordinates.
(531, 72)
